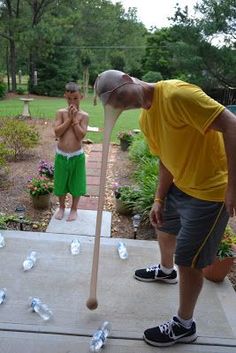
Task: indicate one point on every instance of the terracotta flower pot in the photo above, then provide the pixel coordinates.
(219, 269)
(41, 201)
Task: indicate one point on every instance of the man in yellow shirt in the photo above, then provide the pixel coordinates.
(194, 137)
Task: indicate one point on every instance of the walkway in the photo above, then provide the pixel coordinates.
(93, 168)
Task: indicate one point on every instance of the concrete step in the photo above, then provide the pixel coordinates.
(85, 224)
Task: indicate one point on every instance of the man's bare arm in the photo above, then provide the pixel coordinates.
(165, 181)
(60, 126)
(226, 123)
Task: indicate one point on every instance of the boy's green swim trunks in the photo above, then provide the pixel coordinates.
(70, 174)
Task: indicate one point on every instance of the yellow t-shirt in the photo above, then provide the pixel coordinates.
(176, 128)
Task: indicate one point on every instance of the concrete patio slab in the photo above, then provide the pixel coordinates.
(84, 225)
(62, 281)
(21, 342)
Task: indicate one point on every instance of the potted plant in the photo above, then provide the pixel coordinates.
(225, 258)
(40, 189)
(125, 196)
(126, 138)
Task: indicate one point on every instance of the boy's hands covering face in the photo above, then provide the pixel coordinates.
(72, 112)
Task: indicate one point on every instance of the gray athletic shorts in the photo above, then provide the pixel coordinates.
(199, 226)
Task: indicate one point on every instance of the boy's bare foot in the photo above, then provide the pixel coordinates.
(72, 216)
(60, 213)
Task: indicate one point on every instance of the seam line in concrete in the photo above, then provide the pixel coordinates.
(110, 337)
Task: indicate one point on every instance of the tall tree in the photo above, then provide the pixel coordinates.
(9, 15)
(219, 18)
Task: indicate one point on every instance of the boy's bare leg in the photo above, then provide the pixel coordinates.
(73, 212)
(60, 213)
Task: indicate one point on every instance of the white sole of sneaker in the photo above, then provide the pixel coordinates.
(169, 281)
(188, 339)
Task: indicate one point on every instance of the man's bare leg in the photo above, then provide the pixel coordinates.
(190, 285)
(167, 244)
(167, 273)
(73, 212)
(60, 213)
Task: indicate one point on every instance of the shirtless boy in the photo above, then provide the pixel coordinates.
(70, 128)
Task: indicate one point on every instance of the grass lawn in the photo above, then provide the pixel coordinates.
(45, 108)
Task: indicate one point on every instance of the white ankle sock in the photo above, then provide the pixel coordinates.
(185, 323)
(166, 270)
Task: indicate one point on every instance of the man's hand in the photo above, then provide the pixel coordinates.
(156, 214)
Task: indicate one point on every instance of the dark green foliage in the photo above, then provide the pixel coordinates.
(18, 137)
(152, 76)
(128, 195)
(145, 177)
(4, 153)
(139, 149)
(54, 73)
(20, 90)
(3, 89)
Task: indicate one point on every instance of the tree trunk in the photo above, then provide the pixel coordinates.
(13, 64)
(31, 71)
(85, 81)
(7, 67)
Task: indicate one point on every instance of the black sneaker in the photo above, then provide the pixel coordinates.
(170, 333)
(154, 273)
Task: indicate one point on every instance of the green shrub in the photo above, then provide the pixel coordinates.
(18, 137)
(145, 176)
(20, 90)
(152, 76)
(3, 89)
(127, 195)
(147, 167)
(4, 153)
(139, 149)
(6, 219)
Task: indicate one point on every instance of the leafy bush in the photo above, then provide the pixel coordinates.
(3, 89)
(145, 176)
(152, 76)
(127, 194)
(5, 219)
(18, 136)
(4, 153)
(20, 90)
(139, 149)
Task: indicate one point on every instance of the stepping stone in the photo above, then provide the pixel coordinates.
(84, 225)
